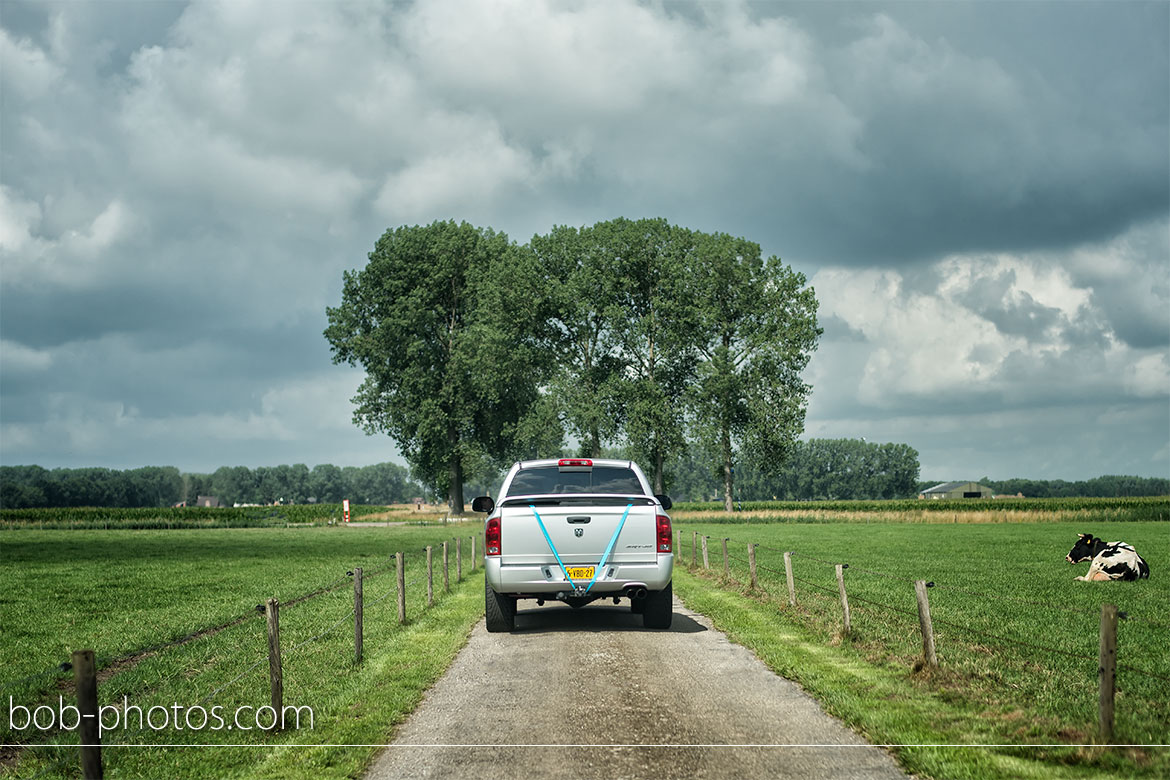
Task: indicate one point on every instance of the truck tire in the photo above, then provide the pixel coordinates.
(499, 610)
(659, 609)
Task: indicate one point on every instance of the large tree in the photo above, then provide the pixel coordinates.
(653, 322)
(758, 326)
(581, 283)
(445, 320)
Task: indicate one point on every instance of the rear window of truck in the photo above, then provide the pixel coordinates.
(549, 479)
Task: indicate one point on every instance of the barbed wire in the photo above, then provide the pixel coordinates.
(232, 682)
(989, 597)
(60, 668)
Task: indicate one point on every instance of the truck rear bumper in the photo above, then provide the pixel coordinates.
(541, 580)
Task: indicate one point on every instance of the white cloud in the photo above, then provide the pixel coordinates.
(25, 69)
(17, 358)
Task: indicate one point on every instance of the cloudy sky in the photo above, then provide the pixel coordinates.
(979, 193)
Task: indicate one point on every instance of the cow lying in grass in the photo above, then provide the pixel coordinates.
(1110, 560)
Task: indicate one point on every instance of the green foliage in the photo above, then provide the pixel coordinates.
(759, 329)
(31, 486)
(1109, 485)
(449, 356)
(815, 469)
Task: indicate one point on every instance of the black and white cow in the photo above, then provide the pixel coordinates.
(1109, 560)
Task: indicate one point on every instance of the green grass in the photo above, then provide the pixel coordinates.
(118, 591)
(112, 518)
(1136, 509)
(1002, 593)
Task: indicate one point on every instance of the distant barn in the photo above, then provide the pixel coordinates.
(957, 490)
(212, 501)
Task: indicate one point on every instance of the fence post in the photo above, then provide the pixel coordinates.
(844, 598)
(706, 563)
(473, 552)
(357, 615)
(1107, 671)
(400, 564)
(726, 566)
(788, 576)
(924, 622)
(694, 548)
(85, 678)
(752, 565)
(458, 559)
(430, 580)
(275, 672)
(446, 571)
(678, 543)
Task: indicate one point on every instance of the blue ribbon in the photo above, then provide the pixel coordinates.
(551, 546)
(604, 556)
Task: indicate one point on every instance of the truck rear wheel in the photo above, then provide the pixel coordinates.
(499, 610)
(659, 608)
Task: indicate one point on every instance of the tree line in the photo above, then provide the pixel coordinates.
(28, 487)
(636, 334)
(816, 469)
(1109, 486)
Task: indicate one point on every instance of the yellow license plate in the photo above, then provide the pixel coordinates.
(580, 572)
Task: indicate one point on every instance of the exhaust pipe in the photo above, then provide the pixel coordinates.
(636, 591)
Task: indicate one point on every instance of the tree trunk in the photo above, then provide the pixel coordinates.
(727, 474)
(595, 439)
(455, 470)
(659, 481)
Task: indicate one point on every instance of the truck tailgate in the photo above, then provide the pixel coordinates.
(580, 533)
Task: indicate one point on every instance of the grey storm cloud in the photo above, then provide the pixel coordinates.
(980, 193)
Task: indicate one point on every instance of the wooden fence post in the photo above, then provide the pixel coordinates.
(706, 563)
(694, 548)
(473, 552)
(458, 559)
(1107, 671)
(400, 564)
(726, 565)
(752, 566)
(430, 579)
(925, 623)
(844, 598)
(446, 571)
(275, 672)
(85, 678)
(357, 615)
(788, 576)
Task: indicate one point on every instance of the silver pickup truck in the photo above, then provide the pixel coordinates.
(577, 530)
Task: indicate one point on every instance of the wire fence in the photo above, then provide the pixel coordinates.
(424, 574)
(975, 620)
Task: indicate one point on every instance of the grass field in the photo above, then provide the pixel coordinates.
(119, 591)
(1017, 637)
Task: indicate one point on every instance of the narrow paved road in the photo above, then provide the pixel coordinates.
(580, 694)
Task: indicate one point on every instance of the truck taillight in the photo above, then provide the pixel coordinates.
(665, 536)
(491, 537)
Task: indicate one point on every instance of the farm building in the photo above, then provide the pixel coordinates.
(957, 490)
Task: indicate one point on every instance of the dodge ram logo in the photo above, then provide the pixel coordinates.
(579, 531)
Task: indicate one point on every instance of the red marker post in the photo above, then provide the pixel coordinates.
(345, 509)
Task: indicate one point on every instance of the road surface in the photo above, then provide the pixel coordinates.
(589, 693)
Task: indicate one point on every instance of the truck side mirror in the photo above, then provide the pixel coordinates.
(482, 504)
(665, 501)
